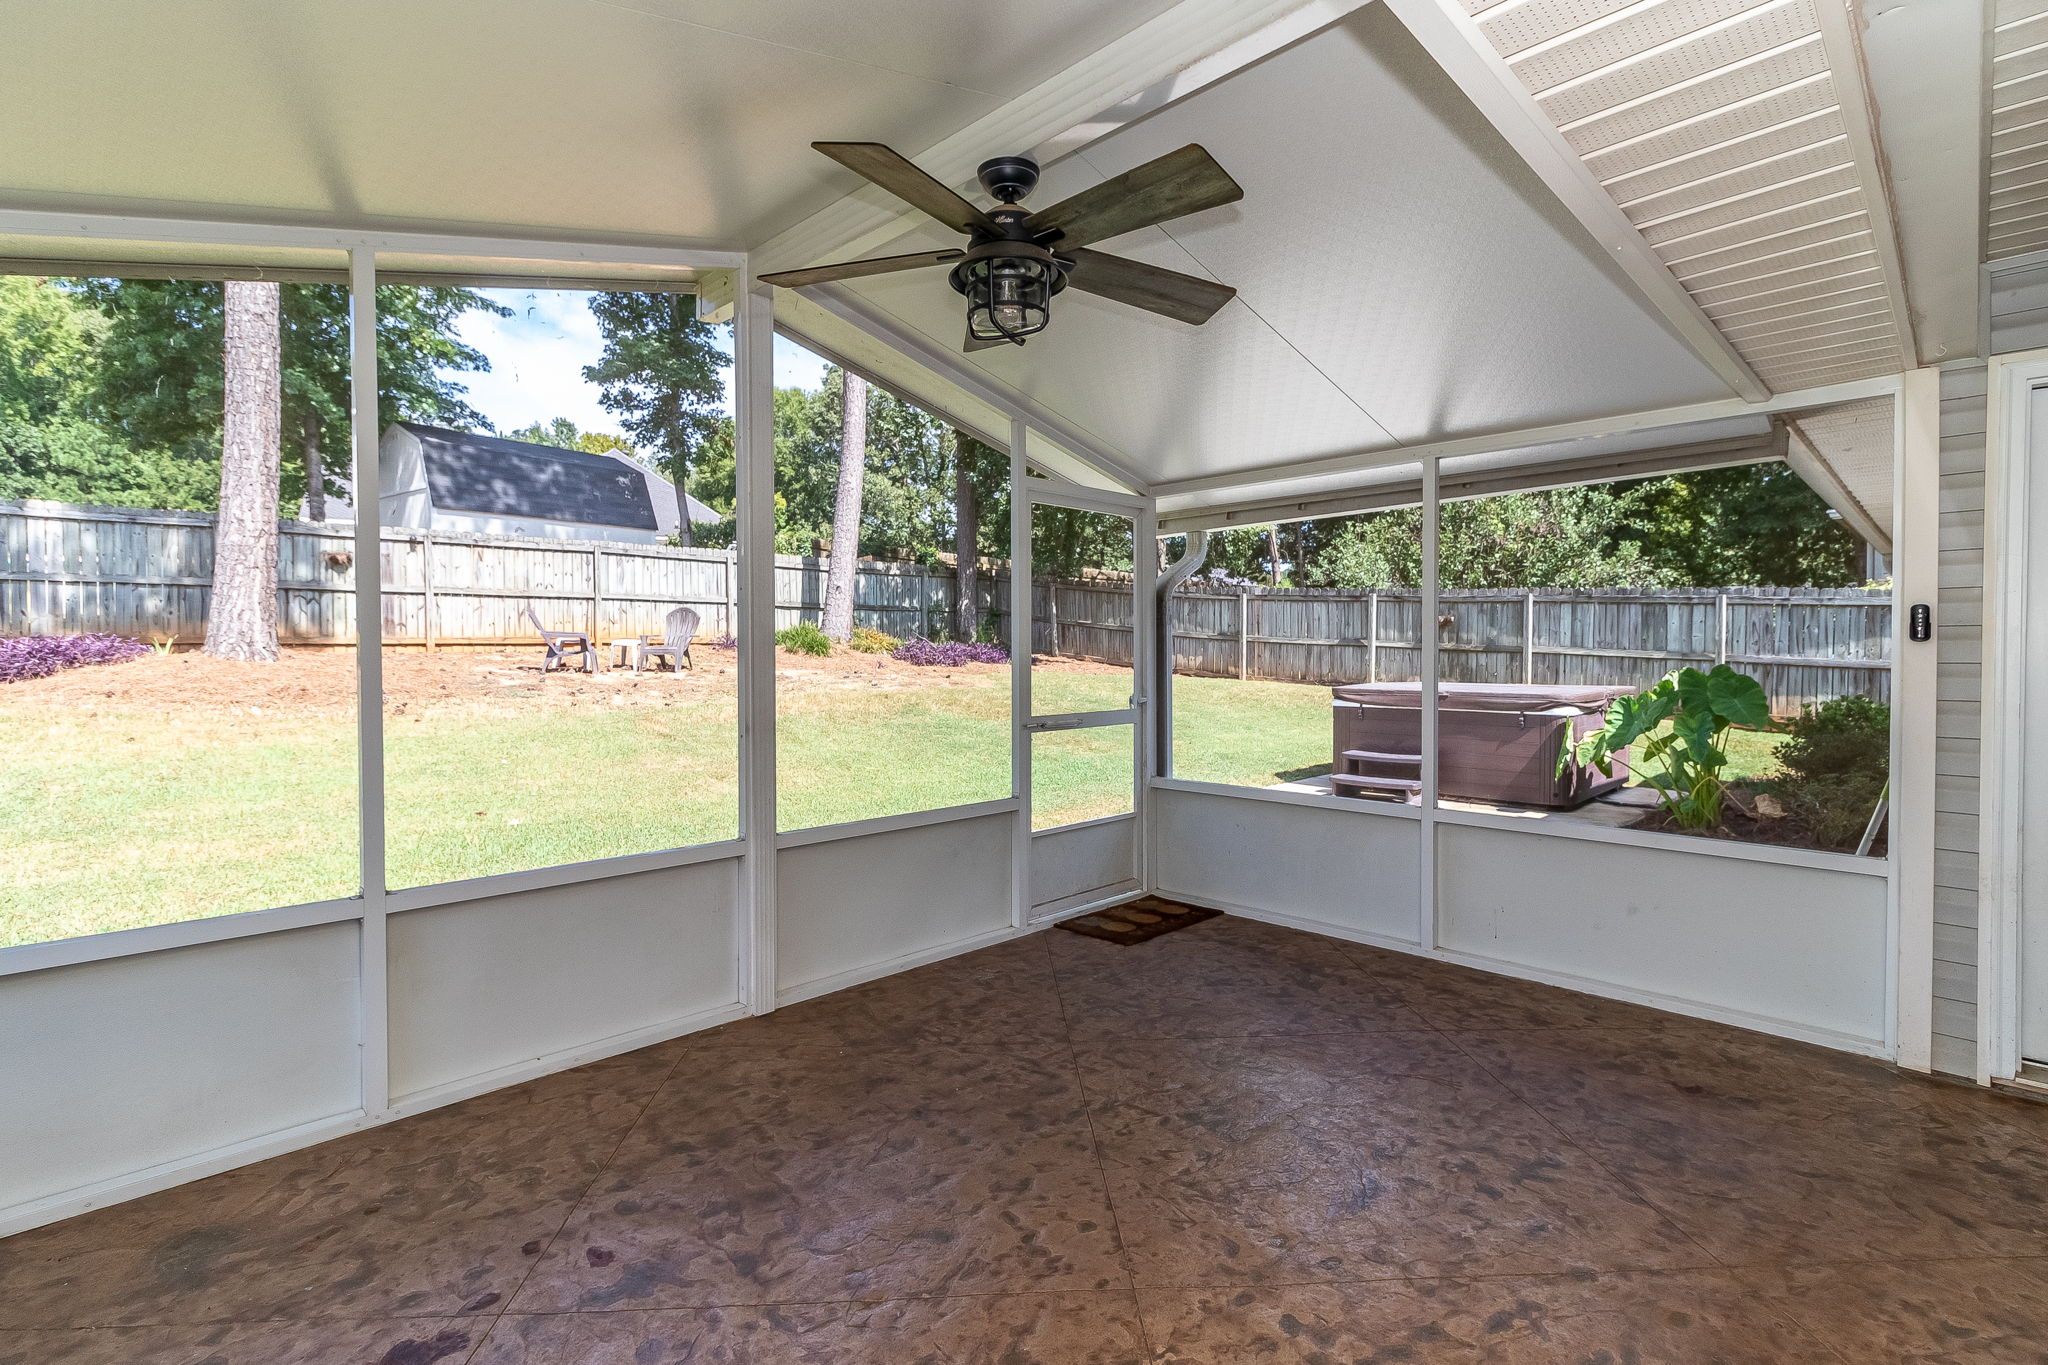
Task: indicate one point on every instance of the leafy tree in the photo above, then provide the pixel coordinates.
(157, 375)
(661, 371)
(563, 433)
(68, 459)
(47, 338)
(1756, 524)
(1560, 537)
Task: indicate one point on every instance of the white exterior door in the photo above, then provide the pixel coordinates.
(2027, 630)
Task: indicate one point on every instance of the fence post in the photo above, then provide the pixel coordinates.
(1528, 635)
(728, 562)
(596, 593)
(1244, 631)
(427, 582)
(1720, 628)
(1372, 636)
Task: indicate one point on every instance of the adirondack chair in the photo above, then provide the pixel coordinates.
(562, 644)
(677, 631)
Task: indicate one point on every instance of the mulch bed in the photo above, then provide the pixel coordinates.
(1136, 921)
(1741, 827)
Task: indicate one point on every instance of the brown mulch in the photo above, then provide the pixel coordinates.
(1740, 826)
(321, 679)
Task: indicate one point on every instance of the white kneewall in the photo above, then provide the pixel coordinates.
(482, 987)
(1781, 941)
(1799, 951)
(112, 1070)
(1348, 869)
(862, 905)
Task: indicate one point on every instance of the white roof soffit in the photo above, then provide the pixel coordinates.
(1737, 137)
(1845, 453)
(1925, 60)
(2016, 188)
(1752, 439)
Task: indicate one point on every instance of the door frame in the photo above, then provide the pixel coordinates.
(1028, 494)
(2012, 381)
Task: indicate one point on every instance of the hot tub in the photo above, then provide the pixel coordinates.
(1498, 742)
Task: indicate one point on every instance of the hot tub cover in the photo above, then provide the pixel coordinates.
(1487, 696)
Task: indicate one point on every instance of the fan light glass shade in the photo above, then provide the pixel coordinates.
(1007, 296)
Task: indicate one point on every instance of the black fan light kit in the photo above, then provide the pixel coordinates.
(1015, 259)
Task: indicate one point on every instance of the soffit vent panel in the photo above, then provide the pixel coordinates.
(2016, 220)
(1717, 127)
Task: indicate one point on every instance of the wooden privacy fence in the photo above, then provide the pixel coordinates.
(69, 570)
(1804, 645)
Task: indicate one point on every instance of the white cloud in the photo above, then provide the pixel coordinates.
(538, 353)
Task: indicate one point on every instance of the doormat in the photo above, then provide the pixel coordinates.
(1135, 921)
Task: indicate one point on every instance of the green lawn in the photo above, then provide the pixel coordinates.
(124, 817)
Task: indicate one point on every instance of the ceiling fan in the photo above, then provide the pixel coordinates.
(1016, 259)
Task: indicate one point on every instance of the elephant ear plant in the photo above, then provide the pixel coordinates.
(1685, 761)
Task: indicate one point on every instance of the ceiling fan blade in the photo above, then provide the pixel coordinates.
(975, 343)
(853, 270)
(895, 173)
(1148, 286)
(1171, 186)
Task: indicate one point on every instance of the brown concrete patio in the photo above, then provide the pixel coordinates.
(1234, 1143)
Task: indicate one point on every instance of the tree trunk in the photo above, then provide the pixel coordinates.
(316, 467)
(966, 540)
(843, 565)
(241, 621)
(680, 468)
(1273, 555)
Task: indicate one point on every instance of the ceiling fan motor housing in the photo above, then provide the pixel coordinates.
(1008, 178)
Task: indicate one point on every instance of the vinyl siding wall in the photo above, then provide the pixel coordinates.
(1959, 640)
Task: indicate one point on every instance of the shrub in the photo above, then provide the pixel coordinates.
(1849, 735)
(951, 654)
(804, 638)
(38, 656)
(1836, 760)
(870, 641)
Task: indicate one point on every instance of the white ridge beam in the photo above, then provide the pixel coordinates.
(1843, 44)
(1451, 37)
(1924, 61)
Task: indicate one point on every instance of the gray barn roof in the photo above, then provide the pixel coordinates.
(497, 477)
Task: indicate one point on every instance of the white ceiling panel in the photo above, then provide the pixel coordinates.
(673, 119)
(1402, 277)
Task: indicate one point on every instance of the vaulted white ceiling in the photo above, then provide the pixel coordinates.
(1402, 278)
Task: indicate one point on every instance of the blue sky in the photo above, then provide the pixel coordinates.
(538, 353)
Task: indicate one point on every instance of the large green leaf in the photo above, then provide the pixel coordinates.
(1724, 694)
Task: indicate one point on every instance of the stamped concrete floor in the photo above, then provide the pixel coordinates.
(1235, 1143)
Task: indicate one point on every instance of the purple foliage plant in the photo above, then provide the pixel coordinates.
(949, 654)
(38, 656)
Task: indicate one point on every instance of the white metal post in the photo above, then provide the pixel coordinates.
(1021, 626)
(373, 1000)
(754, 443)
(1916, 578)
(1428, 639)
(1145, 677)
